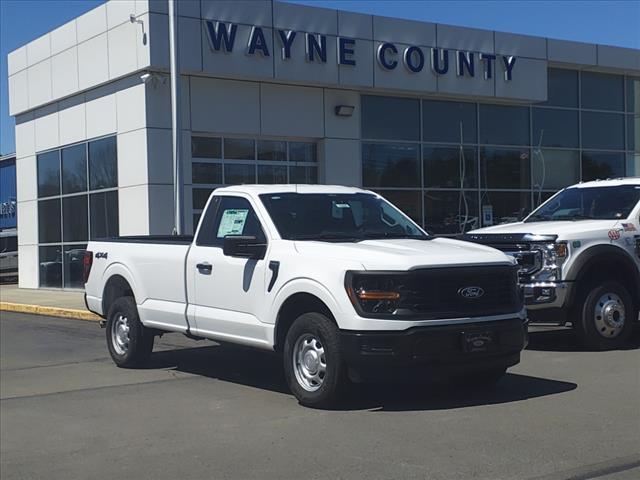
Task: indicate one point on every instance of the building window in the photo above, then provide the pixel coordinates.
(562, 88)
(554, 169)
(449, 167)
(475, 165)
(601, 91)
(505, 168)
(218, 161)
(77, 201)
(49, 174)
(603, 130)
(504, 125)
(555, 128)
(390, 165)
(390, 118)
(451, 212)
(449, 122)
(599, 165)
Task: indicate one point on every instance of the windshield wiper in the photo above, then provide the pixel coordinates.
(576, 216)
(328, 237)
(384, 235)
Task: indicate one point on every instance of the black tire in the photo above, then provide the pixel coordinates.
(480, 380)
(592, 329)
(310, 327)
(140, 339)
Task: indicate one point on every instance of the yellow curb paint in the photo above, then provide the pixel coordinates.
(51, 311)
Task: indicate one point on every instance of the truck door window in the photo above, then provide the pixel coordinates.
(231, 216)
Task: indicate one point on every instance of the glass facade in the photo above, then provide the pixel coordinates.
(454, 166)
(77, 201)
(220, 161)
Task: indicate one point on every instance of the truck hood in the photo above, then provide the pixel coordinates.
(405, 254)
(560, 228)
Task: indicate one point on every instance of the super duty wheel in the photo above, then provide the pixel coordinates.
(313, 363)
(604, 319)
(129, 342)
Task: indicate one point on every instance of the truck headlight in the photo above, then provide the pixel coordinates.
(553, 255)
(375, 293)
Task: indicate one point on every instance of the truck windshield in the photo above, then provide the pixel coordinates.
(597, 203)
(337, 217)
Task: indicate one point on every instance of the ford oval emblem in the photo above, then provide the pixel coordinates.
(471, 292)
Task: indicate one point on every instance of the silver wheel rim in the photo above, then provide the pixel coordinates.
(609, 315)
(309, 362)
(120, 335)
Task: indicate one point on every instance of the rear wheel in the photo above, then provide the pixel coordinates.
(313, 363)
(130, 343)
(605, 318)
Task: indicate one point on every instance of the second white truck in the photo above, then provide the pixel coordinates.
(579, 256)
(336, 279)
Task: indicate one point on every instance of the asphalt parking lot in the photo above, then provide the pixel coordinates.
(206, 411)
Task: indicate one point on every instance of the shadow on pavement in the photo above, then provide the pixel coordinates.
(563, 340)
(264, 370)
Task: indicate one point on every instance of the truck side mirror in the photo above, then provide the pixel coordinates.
(244, 246)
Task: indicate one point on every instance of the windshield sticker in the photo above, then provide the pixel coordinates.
(342, 205)
(614, 235)
(629, 227)
(232, 222)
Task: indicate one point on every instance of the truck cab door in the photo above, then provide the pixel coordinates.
(228, 291)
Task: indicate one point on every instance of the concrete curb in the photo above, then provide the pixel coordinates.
(50, 311)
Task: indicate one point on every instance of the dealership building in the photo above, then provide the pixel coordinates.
(459, 127)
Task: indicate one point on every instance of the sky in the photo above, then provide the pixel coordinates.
(610, 22)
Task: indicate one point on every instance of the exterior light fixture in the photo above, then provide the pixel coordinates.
(344, 110)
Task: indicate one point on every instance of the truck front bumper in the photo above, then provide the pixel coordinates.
(545, 295)
(433, 351)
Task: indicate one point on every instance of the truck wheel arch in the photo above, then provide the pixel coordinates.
(613, 262)
(294, 306)
(116, 287)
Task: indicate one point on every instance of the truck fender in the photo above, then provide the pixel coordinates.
(303, 285)
(122, 270)
(609, 254)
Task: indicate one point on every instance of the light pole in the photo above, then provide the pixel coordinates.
(176, 133)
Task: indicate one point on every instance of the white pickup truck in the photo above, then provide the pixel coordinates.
(579, 254)
(337, 279)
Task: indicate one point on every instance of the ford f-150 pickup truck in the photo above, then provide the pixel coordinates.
(336, 279)
(579, 254)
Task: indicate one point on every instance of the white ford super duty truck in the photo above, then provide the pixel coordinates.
(579, 256)
(337, 279)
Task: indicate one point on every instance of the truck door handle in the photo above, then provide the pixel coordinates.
(204, 268)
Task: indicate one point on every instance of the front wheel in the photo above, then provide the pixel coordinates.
(129, 342)
(313, 363)
(606, 317)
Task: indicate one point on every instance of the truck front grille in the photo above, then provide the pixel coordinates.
(437, 293)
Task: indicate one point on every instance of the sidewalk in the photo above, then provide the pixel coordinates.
(57, 303)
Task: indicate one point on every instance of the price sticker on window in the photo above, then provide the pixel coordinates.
(232, 222)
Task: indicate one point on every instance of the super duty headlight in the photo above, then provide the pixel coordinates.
(552, 256)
